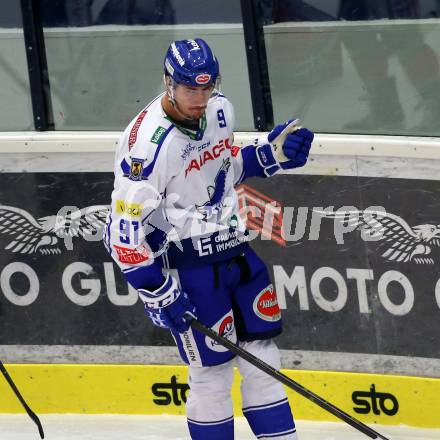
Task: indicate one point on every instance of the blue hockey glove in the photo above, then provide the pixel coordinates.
(266, 160)
(167, 305)
(296, 144)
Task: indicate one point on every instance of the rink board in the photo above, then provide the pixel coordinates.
(153, 389)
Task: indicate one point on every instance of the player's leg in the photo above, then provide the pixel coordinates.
(258, 319)
(209, 405)
(265, 404)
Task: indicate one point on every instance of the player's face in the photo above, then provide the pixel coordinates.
(192, 101)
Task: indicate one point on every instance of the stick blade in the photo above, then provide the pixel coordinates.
(36, 420)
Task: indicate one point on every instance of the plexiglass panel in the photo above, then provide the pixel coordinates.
(356, 66)
(106, 63)
(15, 97)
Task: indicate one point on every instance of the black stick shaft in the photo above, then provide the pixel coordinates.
(31, 414)
(256, 362)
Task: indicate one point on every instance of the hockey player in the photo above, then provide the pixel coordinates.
(175, 231)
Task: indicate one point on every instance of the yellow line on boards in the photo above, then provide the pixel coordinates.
(162, 389)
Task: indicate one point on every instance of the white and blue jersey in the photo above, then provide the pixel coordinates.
(173, 203)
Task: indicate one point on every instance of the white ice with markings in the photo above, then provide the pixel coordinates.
(116, 427)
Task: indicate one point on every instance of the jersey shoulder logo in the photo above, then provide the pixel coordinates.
(136, 167)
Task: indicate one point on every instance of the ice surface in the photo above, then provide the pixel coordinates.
(116, 427)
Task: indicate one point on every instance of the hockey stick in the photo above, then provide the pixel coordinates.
(277, 375)
(31, 414)
(278, 142)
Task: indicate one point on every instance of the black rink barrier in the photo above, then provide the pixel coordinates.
(341, 288)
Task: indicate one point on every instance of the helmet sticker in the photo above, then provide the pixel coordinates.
(177, 55)
(169, 67)
(203, 78)
(194, 44)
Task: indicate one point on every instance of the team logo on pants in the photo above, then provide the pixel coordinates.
(224, 327)
(266, 305)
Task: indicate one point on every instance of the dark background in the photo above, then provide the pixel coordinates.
(54, 319)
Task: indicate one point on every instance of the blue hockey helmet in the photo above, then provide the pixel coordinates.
(191, 63)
